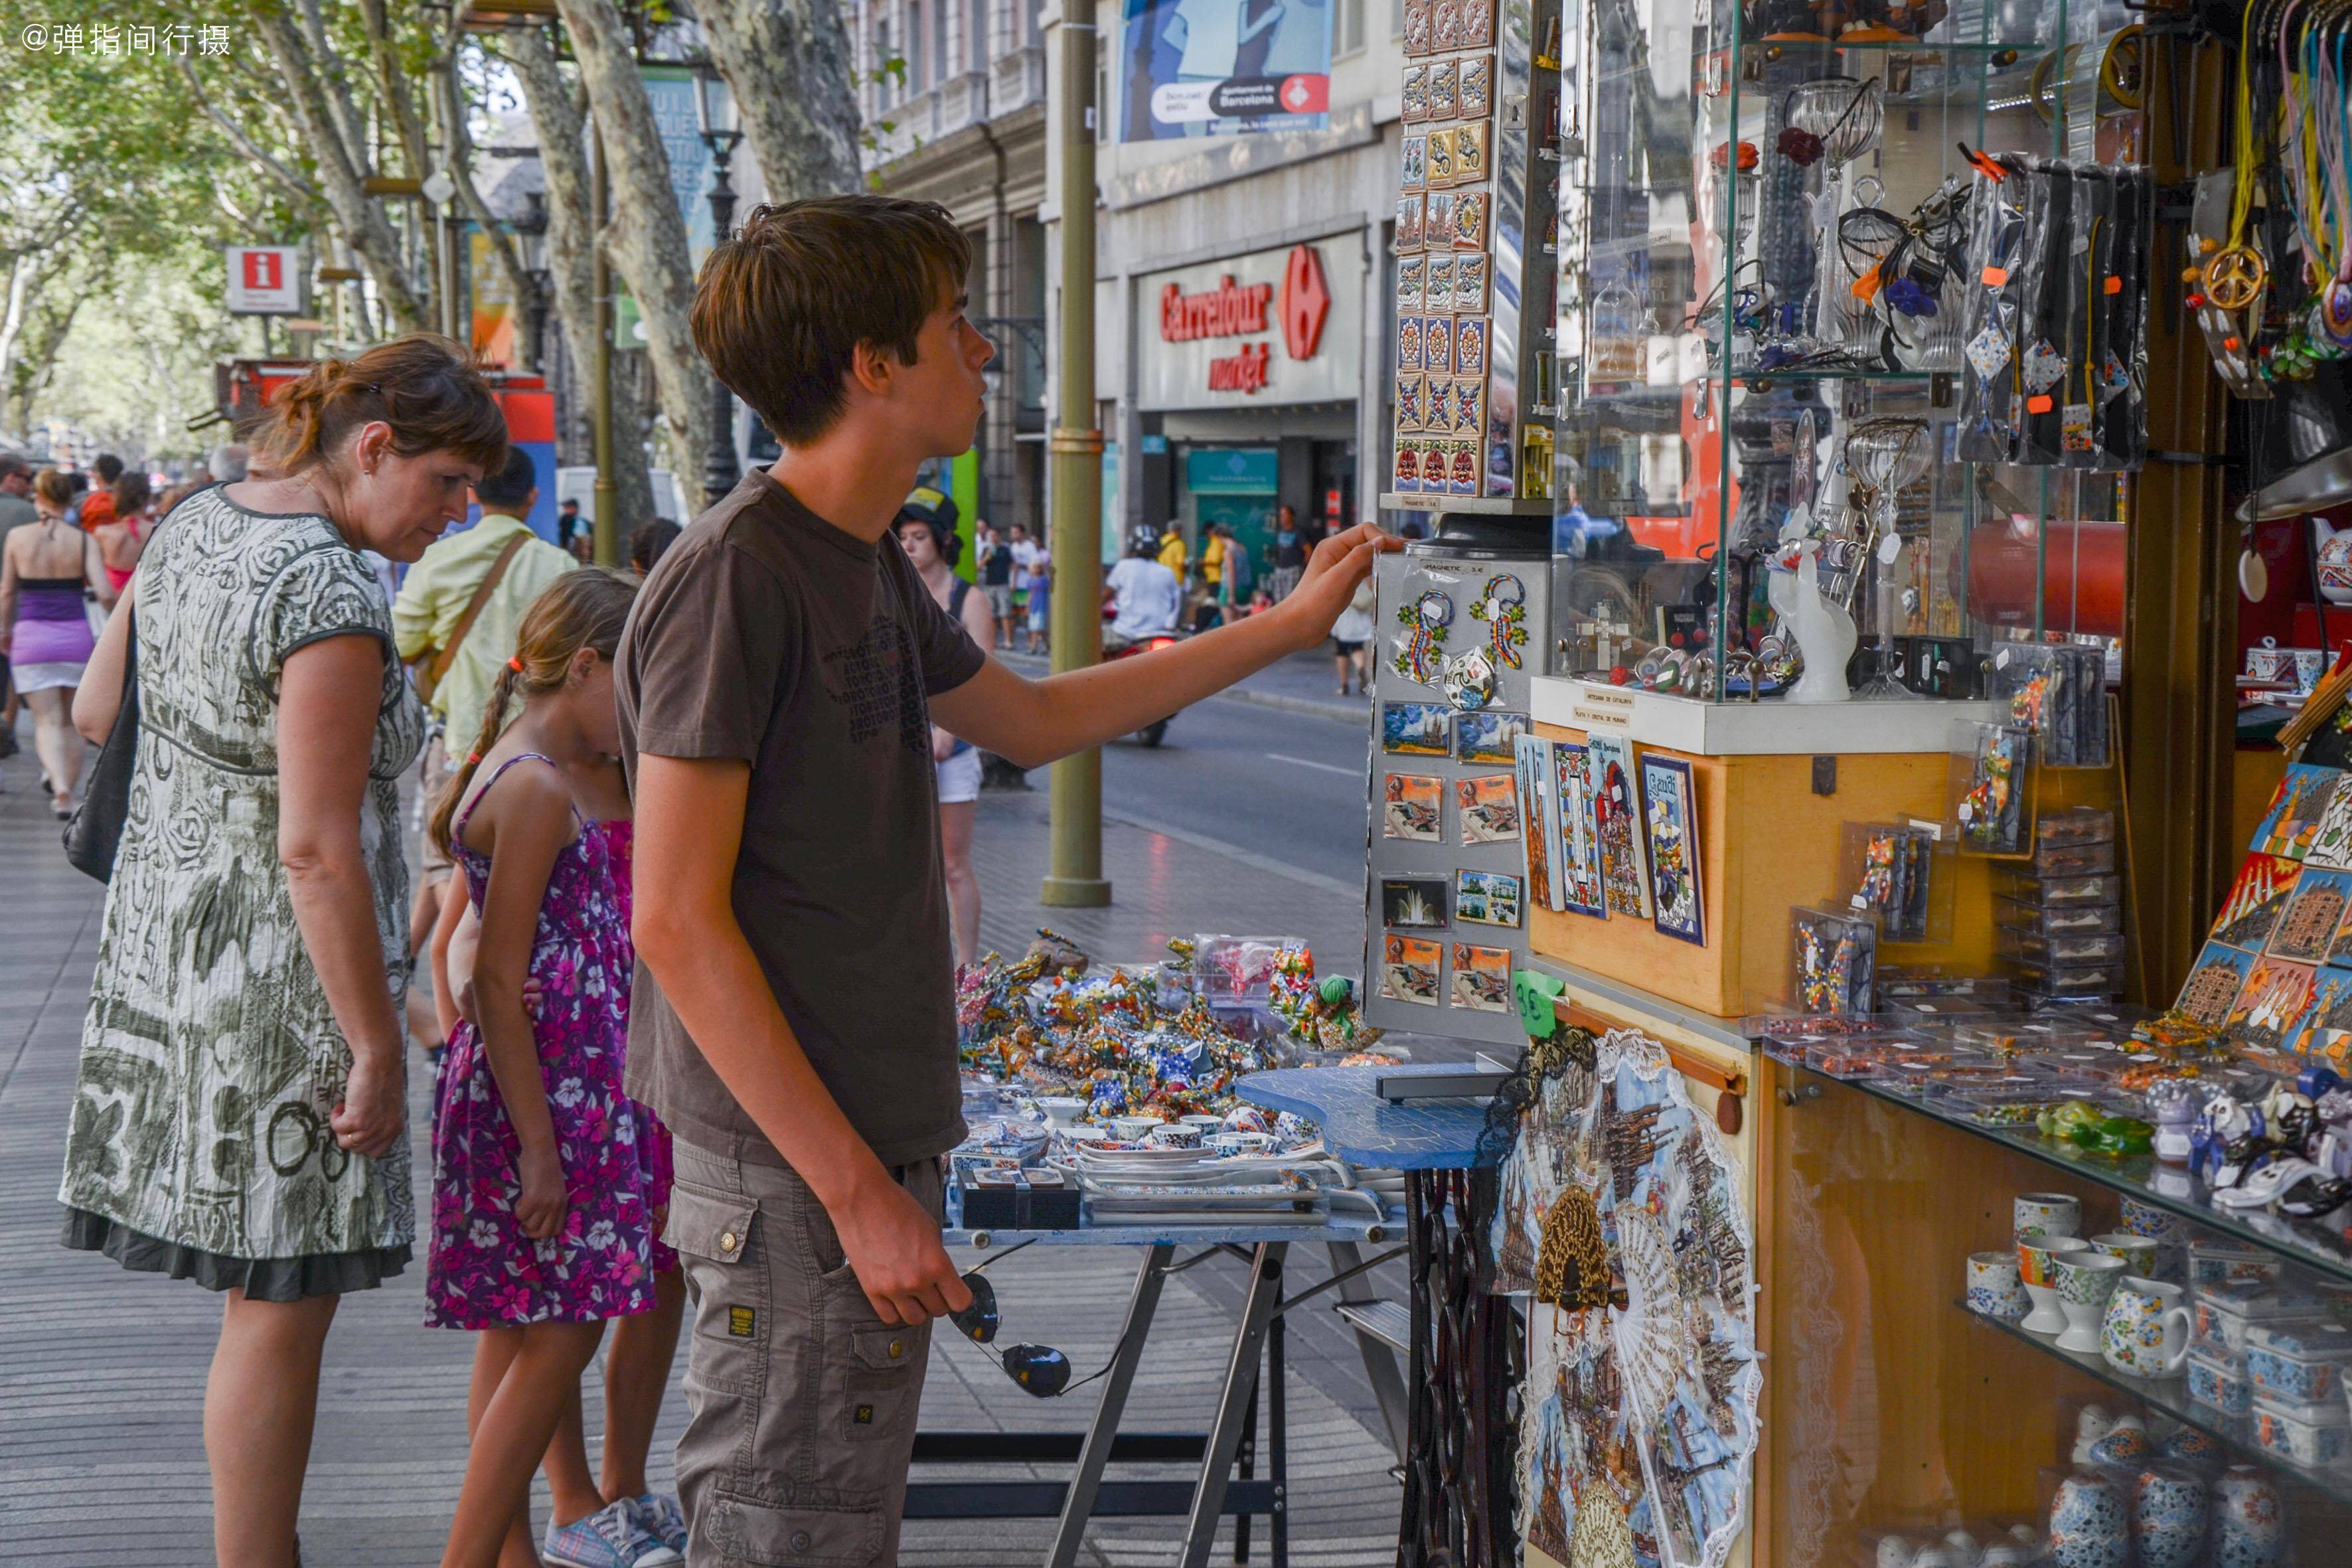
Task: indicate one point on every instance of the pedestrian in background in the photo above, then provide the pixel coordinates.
(251, 967)
(455, 622)
(1350, 634)
(17, 510)
(1041, 598)
(44, 571)
(1291, 549)
(547, 1178)
(996, 581)
(648, 540)
(926, 531)
(1213, 571)
(95, 508)
(1171, 548)
(1024, 555)
(1234, 588)
(120, 539)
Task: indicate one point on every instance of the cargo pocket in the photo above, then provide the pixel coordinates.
(713, 1233)
(882, 1383)
(746, 1530)
(716, 1226)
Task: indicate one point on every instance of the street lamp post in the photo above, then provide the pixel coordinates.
(715, 108)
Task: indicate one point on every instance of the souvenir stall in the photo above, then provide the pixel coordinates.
(1807, 731)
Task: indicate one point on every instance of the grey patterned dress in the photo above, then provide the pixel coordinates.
(210, 1059)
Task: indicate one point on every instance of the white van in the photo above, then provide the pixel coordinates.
(580, 484)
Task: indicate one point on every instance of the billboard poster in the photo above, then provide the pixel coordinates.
(1223, 68)
(670, 90)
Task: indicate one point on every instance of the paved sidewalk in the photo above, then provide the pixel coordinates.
(100, 1441)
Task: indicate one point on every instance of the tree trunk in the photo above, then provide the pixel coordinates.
(789, 65)
(646, 236)
(556, 117)
(356, 213)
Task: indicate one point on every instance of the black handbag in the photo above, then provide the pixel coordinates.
(95, 828)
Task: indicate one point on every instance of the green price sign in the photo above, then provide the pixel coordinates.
(1536, 992)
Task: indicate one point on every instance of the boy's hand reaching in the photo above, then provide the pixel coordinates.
(1340, 563)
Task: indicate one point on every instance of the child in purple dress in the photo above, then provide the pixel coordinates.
(548, 1180)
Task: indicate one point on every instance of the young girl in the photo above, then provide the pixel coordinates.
(547, 1181)
(637, 1363)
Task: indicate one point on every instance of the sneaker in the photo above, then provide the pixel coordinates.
(662, 1518)
(613, 1537)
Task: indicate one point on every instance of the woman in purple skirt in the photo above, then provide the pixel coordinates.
(43, 570)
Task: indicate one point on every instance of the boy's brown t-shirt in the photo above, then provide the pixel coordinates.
(767, 633)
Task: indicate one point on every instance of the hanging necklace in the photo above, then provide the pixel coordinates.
(2235, 274)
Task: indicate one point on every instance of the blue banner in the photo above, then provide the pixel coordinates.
(1222, 67)
(671, 90)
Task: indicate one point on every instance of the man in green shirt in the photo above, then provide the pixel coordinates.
(430, 615)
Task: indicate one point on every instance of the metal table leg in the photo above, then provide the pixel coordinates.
(1078, 1506)
(1380, 1361)
(1241, 1376)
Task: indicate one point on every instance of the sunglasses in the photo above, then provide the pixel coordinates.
(1042, 1369)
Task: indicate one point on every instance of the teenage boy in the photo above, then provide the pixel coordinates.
(793, 1019)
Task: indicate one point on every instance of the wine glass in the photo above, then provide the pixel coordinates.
(1887, 455)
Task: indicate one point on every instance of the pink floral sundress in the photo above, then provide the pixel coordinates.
(482, 1271)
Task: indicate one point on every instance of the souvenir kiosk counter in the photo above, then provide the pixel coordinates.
(1806, 737)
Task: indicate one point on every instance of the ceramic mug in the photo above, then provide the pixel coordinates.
(2138, 1252)
(2046, 1213)
(2146, 1333)
(1173, 1135)
(2087, 1281)
(2035, 1267)
(2141, 1217)
(1994, 1287)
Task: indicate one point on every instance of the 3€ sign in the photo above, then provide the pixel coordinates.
(264, 281)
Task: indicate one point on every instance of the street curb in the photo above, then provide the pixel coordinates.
(1340, 712)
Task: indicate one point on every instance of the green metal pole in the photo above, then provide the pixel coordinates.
(606, 512)
(1076, 879)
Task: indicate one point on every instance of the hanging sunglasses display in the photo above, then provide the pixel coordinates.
(2055, 300)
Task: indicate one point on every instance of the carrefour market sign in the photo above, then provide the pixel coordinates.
(1270, 327)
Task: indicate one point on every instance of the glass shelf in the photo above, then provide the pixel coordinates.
(2169, 1395)
(1994, 46)
(2321, 1246)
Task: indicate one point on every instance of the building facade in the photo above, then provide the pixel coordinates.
(1240, 290)
(953, 95)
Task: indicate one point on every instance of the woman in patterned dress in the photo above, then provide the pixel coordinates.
(238, 1116)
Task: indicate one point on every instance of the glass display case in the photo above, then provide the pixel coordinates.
(1817, 261)
(1918, 1417)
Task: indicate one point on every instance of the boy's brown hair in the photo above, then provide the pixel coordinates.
(782, 306)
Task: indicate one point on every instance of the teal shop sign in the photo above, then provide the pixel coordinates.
(1233, 471)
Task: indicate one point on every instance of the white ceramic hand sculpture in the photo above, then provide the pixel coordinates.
(1824, 632)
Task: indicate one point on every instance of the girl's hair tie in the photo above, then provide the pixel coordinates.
(474, 759)
(515, 664)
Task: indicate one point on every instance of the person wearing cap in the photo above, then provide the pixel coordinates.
(927, 533)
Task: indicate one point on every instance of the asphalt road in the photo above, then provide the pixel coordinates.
(1275, 786)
